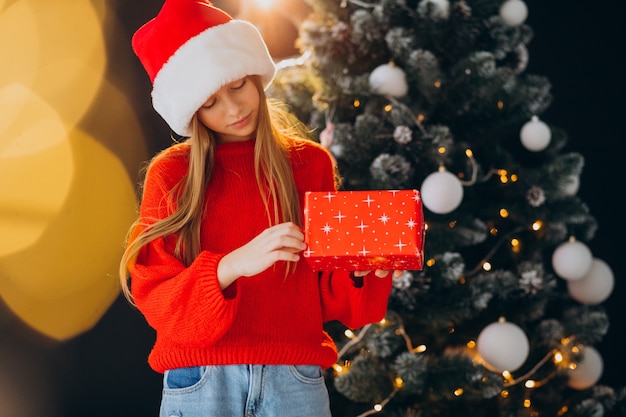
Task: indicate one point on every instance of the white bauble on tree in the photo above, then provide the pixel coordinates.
(513, 12)
(595, 287)
(588, 371)
(388, 80)
(503, 346)
(572, 260)
(441, 192)
(535, 135)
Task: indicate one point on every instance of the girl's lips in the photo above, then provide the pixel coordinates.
(241, 122)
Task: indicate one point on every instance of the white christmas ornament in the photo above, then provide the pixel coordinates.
(535, 135)
(503, 346)
(595, 287)
(514, 12)
(588, 371)
(572, 260)
(389, 80)
(441, 192)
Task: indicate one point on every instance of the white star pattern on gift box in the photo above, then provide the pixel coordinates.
(364, 228)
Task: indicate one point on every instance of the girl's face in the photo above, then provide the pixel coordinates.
(233, 111)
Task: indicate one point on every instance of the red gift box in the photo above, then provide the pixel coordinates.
(364, 230)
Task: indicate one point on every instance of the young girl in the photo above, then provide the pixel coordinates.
(214, 257)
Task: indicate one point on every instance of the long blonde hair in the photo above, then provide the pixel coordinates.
(278, 131)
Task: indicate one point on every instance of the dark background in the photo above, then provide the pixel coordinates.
(577, 45)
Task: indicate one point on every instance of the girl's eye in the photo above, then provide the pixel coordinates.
(208, 104)
(239, 84)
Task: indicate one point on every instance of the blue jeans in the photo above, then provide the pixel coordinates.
(245, 391)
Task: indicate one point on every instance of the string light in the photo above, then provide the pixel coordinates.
(388, 108)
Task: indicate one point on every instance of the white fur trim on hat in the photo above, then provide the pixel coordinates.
(202, 65)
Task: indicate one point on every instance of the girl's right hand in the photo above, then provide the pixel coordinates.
(281, 242)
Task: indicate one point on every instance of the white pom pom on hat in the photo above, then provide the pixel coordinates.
(190, 50)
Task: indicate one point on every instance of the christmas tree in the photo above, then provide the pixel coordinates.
(503, 319)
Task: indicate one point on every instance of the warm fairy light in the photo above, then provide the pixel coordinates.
(452, 224)
(388, 108)
(441, 149)
(383, 321)
(506, 375)
(356, 103)
(420, 349)
(530, 384)
(430, 262)
(572, 366)
(558, 357)
(500, 105)
(378, 407)
(504, 213)
(398, 382)
(527, 403)
(437, 84)
(563, 410)
(420, 118)
(338, 368)
(514, 177)
(537, 225)
(458, 392)
(515, 245)
(504, 393)
(493, 231)
(504, 179)
(575, 349)
(486, 266)
(469, 153)
(451, 330)
(348, 333)
(471, 344)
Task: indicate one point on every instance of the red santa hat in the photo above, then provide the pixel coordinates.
(190, 50)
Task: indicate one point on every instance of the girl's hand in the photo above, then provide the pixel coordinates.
(380, 273)
(281, 242)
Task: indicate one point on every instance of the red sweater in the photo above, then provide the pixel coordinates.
(264, 319)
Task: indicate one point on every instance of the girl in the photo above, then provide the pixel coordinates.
(214, 256)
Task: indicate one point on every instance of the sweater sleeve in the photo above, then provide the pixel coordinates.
(354, 306)
(183, 303)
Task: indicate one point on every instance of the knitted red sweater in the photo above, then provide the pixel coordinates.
(264, 319)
